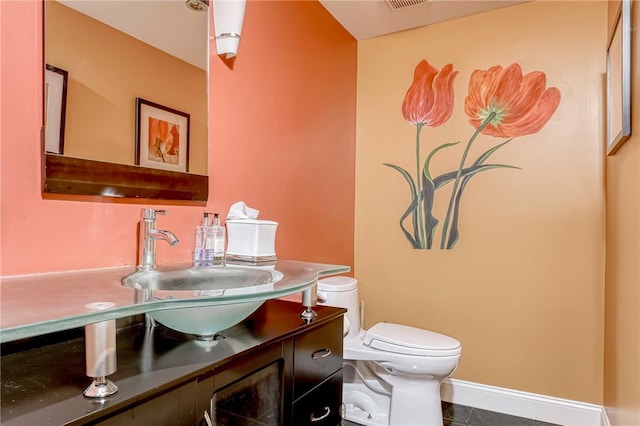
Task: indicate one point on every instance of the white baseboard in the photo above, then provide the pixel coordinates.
(523, 404)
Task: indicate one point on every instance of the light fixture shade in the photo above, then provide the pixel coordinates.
(228, 16)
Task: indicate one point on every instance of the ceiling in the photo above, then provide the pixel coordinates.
(371, 18)
(156, 23)
(362, 18)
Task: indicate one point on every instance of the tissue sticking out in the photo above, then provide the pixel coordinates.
(240, 210)
(249, 240)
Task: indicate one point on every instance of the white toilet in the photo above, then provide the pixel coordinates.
(392, 372)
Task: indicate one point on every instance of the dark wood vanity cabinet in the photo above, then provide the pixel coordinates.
(297, 381)
(317, 376)
(274, 368)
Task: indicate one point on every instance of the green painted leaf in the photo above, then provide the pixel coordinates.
(454, 233)
(427, 161)
(406, 176)
(490, 151)
(431, 223)
(445, 178)
(411, 210)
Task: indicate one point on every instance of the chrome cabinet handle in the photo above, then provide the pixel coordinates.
(322, 353)
(207, 419)
(326, 413)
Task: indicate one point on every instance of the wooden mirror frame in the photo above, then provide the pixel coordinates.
(69, 175)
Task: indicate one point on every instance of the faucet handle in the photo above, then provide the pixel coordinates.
(150, 214)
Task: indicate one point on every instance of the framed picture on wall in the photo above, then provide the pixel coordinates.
(619, 79)
(55, 108)
(162, 137)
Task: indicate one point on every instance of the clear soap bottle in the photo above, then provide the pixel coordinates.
(219, 239)
(199, 250)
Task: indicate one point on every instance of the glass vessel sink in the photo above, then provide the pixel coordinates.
(205, 284)
(38, 304)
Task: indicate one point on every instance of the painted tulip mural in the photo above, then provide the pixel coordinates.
(501, 102)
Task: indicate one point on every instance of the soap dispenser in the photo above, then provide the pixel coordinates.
(218, 243)
(199, 250)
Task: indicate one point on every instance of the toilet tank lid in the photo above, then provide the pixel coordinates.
(411, 340)
(337, 283)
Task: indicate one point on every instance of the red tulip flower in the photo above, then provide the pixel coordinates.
(522, 104)
(429, 100)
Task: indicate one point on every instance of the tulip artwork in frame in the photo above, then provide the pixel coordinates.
(162, 137)
(501, 102)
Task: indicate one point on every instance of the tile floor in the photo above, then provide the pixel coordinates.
(460, 415)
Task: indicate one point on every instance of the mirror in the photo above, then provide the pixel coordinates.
(126, 99)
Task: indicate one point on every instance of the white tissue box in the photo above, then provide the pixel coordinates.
(251, 240)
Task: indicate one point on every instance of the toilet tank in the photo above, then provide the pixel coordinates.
(342, 292)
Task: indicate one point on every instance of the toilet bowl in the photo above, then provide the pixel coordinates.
(392, 372)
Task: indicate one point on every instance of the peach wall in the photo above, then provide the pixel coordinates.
(283, 124)
(282, 139)
(523, 288)
(622, 285)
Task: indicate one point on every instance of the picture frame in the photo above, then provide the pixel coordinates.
(618, 99)
(162, 137)
(55, 108)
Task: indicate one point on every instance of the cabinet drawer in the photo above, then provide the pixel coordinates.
(318, 354)
(322, 405)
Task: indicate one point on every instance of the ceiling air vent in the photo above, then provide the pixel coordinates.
(403, 4)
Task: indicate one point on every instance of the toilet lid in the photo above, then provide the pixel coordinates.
(410, 340)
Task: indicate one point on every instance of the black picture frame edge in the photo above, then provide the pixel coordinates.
(63, 105)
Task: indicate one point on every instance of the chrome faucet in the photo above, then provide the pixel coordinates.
(148, 236)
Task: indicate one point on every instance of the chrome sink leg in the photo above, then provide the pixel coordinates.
(101, 387)
(141, 296)
(149, 322)
(100, 353)
(309, 300)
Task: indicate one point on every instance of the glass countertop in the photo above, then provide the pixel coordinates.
(33, 305)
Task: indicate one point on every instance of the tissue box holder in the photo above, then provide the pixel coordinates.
(251, 241)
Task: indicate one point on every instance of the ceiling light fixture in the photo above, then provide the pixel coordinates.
(228, 17)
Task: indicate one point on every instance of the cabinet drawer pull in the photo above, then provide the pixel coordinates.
(324, 415)
(322, 353)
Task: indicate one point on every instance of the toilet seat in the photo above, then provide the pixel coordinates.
(402, 339)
